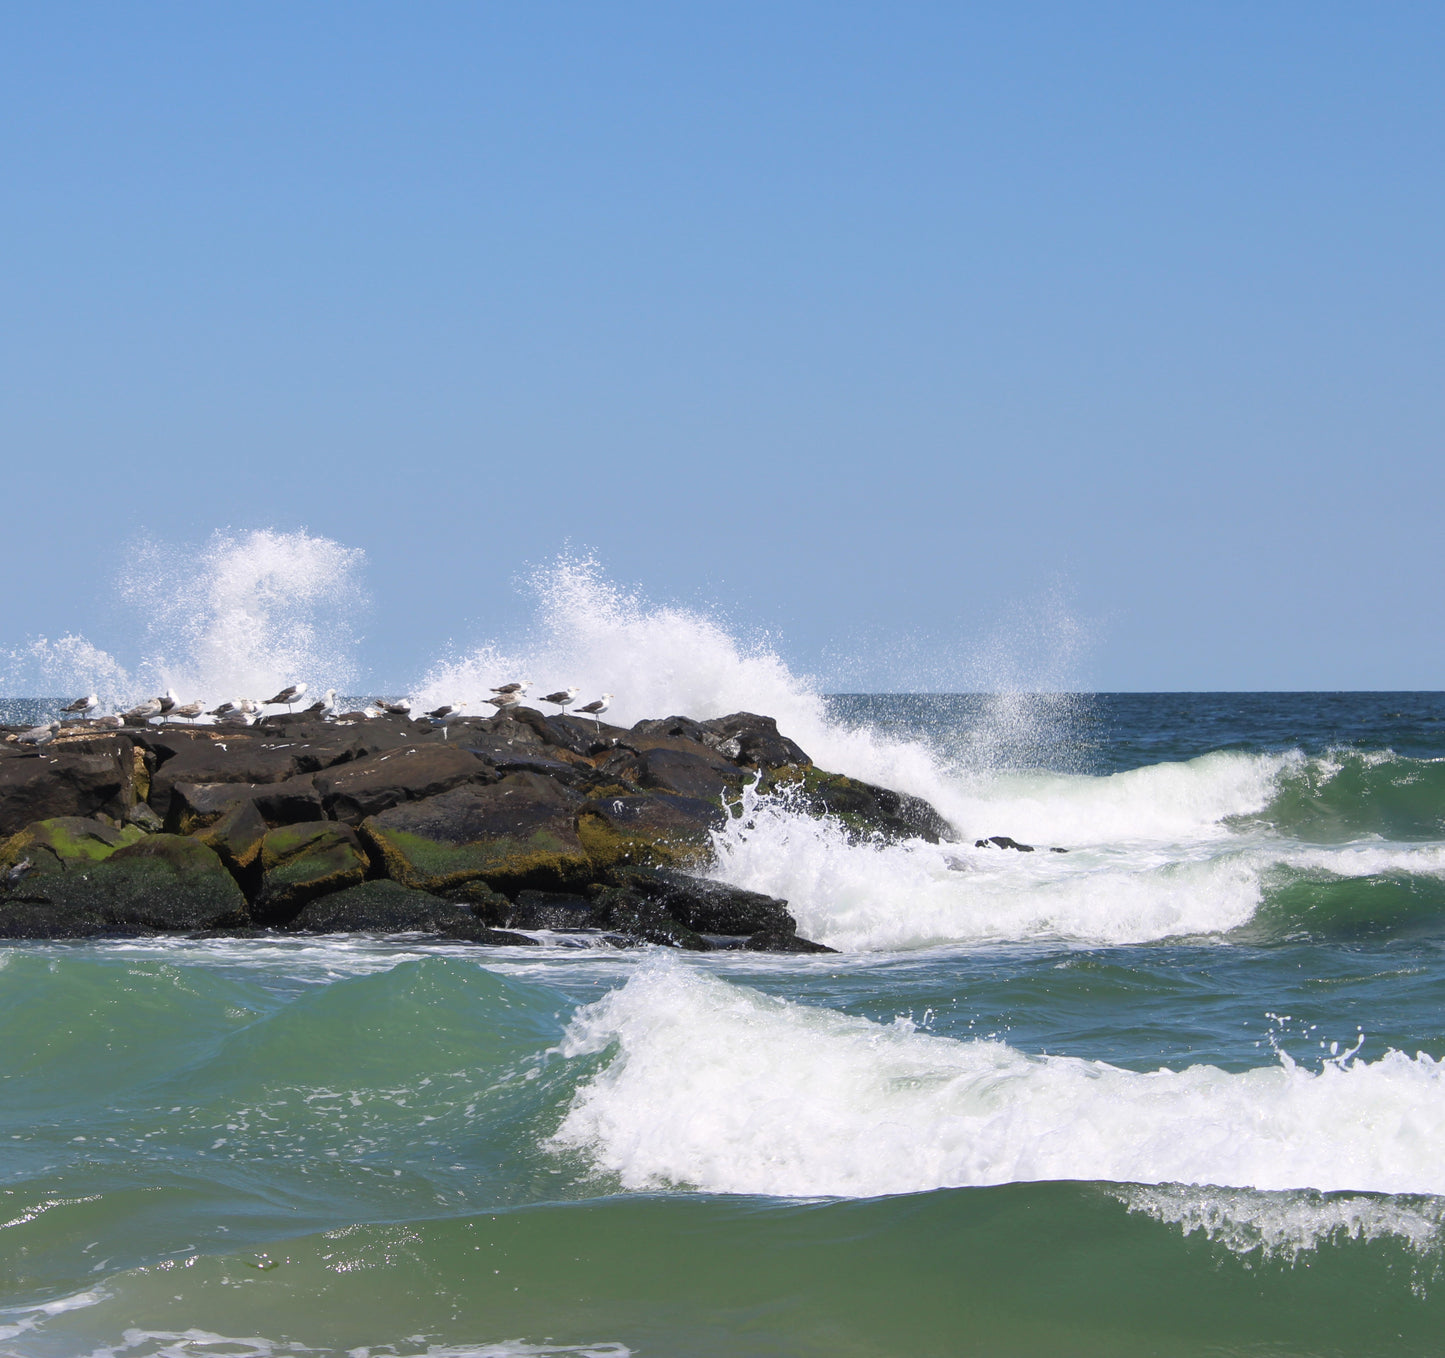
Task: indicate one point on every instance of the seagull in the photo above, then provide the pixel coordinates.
(237, 717)
(39, 735)
(400, 708)
(225, 709)
(445, 710)
(325, 708)
(110, 723)
(190, 711)
(596, 709)
(286, 697)
(517, 689)
(82, 706)
(13, 875)
(141, 714)
(502, 700)
(563, 697)
(167, 700)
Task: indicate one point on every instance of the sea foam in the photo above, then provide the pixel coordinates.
(717, 1087)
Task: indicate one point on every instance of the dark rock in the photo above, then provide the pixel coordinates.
(654, 829)
(1002, 842)
(784, 941)
(44, 920)
(636, 919)
(301, 862)
(710, 907)
(388, 908)
(290, 801)
(748, 739)
(78, 778)
(236, 839)
(160, 882)
(513, 834)
(351, 792)
(690, 772)
(863, 808)
(550, 910)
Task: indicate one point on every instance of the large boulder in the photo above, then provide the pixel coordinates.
(632, 918)
(654, 829)
(301, 862)
(194, 806)
(675, 766)
(66, 843)
(83, 777)
(754, 742)
(866, 810)
(351, 792)
(513, 834)
(161, 882)
(236, 838)
(385, 907)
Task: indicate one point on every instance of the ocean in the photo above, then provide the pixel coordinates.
(1174, 1091)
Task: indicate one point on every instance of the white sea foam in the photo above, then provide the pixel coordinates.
(242, 616)
(1287, 1225)
(718, 1087)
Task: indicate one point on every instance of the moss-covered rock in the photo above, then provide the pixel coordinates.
(159, 882)
(63, 843)
(236, 839)
(648, 830)
(301, 862)
(516, 833)
(386, 907)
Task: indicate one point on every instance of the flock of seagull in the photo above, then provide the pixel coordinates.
(246, 711)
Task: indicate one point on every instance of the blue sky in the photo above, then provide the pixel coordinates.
(897, 331)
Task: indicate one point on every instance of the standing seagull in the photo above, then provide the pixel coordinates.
(141, 713)
(190, 711)
(596, 709)
(39, 735)
(325, 708)
(445, 710)
(286, 697)
(517, 690)
(564, 697)
(167, 700)
(502, 700)
(82, 707)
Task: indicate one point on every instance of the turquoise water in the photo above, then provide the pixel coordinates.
(1175, 1091)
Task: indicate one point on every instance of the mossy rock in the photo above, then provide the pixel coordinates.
(516, 833)
(236, 838)
(160, 882)
(302, 862)
(649, 830)
(64, 843)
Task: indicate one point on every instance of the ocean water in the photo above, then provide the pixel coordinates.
(1176, 1091)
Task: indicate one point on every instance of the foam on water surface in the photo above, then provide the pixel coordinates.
(717, 1087)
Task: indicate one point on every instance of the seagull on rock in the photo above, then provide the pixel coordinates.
(597, 708)
(190, 711)
(400, 708)
(445, 710)
(110, 723)
(518, 689)
(39, 735)
(141, 713)
(82, 707)
(502, 700)
(167, 700)
(564, 697)
(326, 707)
(286, 697)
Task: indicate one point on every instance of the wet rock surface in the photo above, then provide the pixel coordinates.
(493, 831)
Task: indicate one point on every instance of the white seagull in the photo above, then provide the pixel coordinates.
(39, 735)
(597, 708)
(286, 697)
(563, 698)
(82, 706)
(141, 713)
(400, 708)
(518, 688)
(167, 700)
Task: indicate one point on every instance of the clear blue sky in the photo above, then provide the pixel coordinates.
(868, 323)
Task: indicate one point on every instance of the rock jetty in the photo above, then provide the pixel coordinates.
(515, 822)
